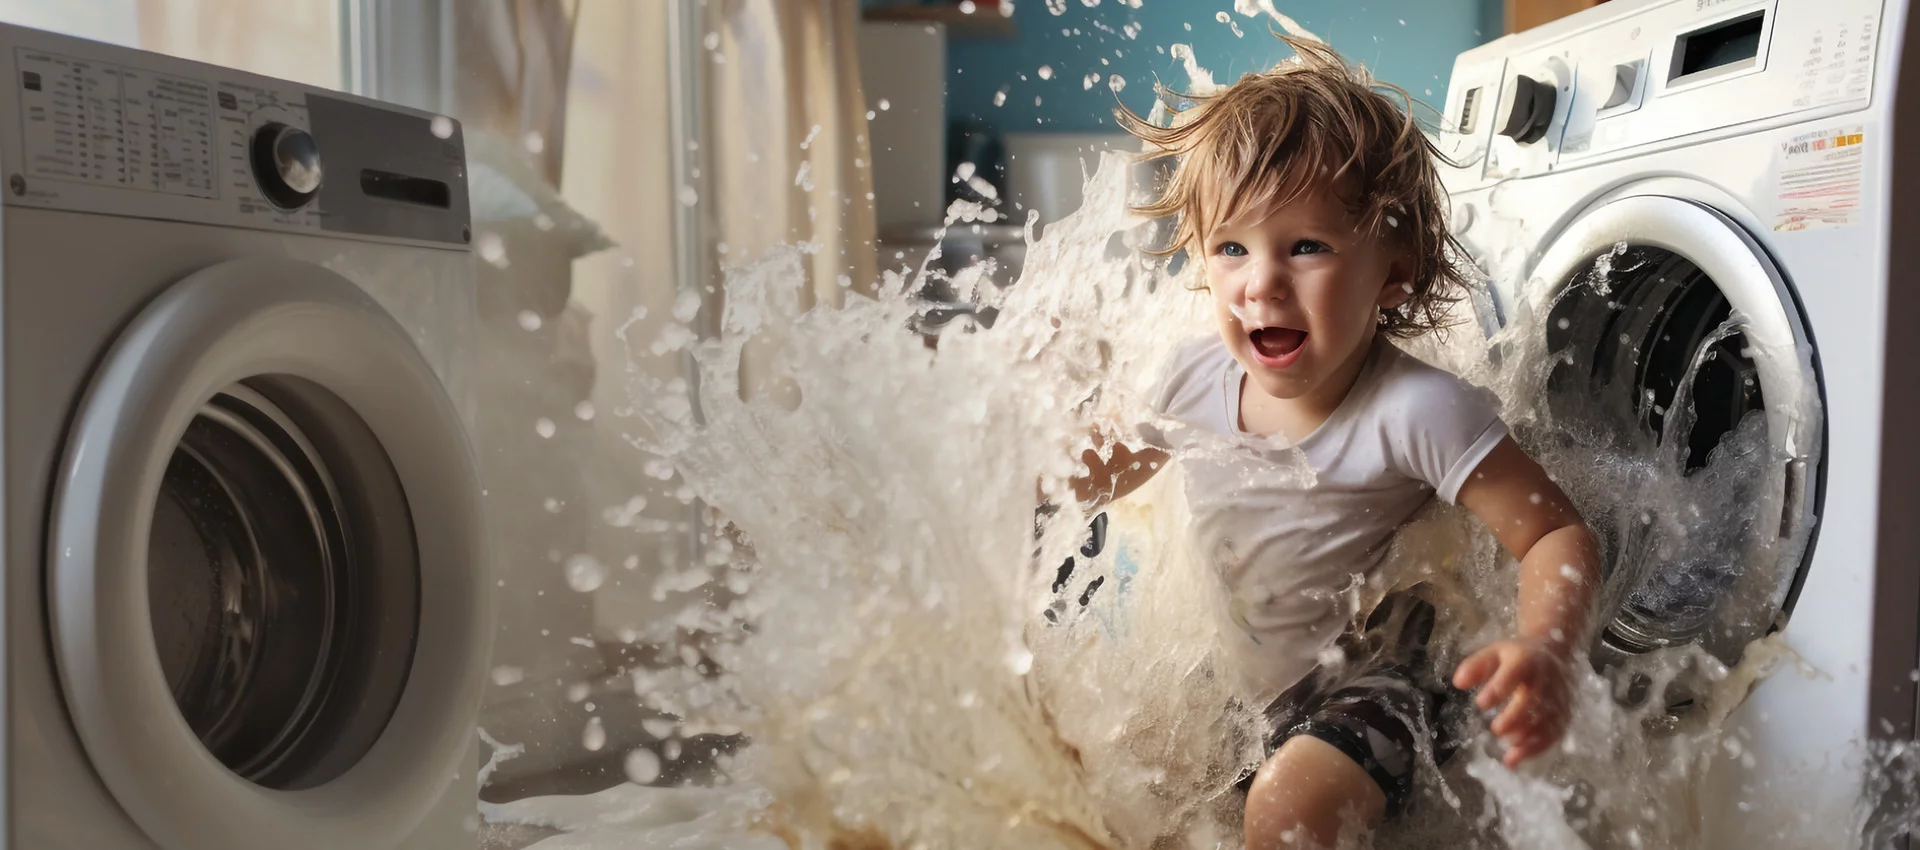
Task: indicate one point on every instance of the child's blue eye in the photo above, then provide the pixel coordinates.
(1308, 246)
(1232, 249)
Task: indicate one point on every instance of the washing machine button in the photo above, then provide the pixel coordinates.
(286, 165)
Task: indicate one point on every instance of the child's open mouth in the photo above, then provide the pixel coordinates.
(1277, 348)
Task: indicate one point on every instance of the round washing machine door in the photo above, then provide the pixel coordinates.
(1681, 359)
(265, 570)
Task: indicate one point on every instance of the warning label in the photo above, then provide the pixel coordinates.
(1820, 179)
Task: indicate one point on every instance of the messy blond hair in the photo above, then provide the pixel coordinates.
(1311, 120)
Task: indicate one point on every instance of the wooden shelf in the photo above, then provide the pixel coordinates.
(985, 21)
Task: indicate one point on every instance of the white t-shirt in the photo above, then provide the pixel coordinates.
(1291, 528)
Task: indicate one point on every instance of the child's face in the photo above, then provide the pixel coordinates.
(1296, 292)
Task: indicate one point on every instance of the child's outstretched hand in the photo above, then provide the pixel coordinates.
(1534, 681)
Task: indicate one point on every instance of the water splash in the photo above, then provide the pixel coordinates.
(883, 648)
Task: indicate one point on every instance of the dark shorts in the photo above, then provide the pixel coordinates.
(1378, 705)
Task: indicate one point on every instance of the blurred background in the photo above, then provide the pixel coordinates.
(624, 153)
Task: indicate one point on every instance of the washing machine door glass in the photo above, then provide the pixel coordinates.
(266, 579)
(1682, 377)
(282, 582)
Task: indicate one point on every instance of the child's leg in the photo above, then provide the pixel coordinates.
(1306, 793)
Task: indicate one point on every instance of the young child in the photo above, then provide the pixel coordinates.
(1315, 204)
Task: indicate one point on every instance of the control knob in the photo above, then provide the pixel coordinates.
(286, 165)
(1526, 108)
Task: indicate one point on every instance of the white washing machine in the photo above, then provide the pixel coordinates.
(245, 593)
(1750, 157)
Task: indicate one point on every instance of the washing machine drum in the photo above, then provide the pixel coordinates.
(1684, 381)
(264, 577)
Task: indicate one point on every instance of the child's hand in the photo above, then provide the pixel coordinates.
(1534, 679)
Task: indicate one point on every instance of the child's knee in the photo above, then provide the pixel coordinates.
(1307, 794)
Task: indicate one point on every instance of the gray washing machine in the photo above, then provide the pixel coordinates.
(246, 596)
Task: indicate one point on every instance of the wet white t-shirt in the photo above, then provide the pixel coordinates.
(1291, 529)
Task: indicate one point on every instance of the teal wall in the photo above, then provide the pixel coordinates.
(1410, 43)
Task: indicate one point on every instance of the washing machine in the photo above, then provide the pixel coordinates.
(246, 601)
(1632, 178)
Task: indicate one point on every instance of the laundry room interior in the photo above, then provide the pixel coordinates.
(593, 424)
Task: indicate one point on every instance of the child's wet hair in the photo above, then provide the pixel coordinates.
(1312, 120)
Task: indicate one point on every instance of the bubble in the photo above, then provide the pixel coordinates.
(1087, 83)
(1046, 72)
(529, 320)
(1117, 83)
(505, 675)
(712, 41)
(534, 142)
(643, 766)
(583, 411)
(689, 196)
(543, 221)
(885, 104)
(544, 427)
(584, 573)
(595, 736)
(442, 127)
(491, 249)
(966, 7)
(1000, 98)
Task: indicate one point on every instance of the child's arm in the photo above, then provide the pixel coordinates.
(1116, 476)
(1532, 675)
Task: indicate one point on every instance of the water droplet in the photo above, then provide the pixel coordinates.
(544, 427)
(505, 675)
(491, 249)
(584, 573)
(583, 411)
(1020, 660)
(595, 736)
(442, 127)
(643, 766)
(686, 305)
(529, 320)
(1046, 72)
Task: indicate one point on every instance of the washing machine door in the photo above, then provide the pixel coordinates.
(1681, 360)
(265, 572)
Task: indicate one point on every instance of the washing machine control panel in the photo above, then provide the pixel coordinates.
(1616, 80)
(89, 127)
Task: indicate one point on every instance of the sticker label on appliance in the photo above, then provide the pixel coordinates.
(110, 125)
(1819, 179)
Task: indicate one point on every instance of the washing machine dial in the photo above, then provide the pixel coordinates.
(286, 165)
(1526, 108)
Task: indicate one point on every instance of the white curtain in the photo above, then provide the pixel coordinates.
(789, 149)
